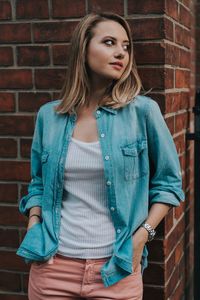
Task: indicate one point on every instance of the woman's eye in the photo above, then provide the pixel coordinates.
(109, 42)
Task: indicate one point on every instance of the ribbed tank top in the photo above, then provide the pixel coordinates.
(86, 229)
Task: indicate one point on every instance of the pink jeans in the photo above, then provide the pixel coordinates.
(74, 278)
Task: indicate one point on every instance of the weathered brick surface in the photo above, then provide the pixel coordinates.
(33, 56)
(34, 53)
(5, 10)
(30, 9)
(15, 33)
(104, 5)
(6, 56)
(68, 8)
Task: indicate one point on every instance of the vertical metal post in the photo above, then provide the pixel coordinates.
(197, 199)
(196, 137)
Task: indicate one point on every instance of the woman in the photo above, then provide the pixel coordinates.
(105, 172)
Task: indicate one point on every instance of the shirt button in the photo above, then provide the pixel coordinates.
(107, 157)
(98, 112)
(180, 173)
(112, 208)
(102, 135)
(118, 230)
(108, 182)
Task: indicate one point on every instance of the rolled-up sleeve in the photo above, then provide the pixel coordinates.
(35, 187)
(165, 185)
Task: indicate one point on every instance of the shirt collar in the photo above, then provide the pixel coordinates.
(109, 109)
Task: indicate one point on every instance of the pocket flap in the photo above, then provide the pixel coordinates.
(134, 149)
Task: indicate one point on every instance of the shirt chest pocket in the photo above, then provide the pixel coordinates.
(135, 156)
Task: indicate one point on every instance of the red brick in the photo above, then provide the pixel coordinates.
(178, 293)
(179, 251)
(182, 36)
(25, 282)
(31, 9)
(172, 55)
(16, 125)
(49, 78)
(10, 282)
(15, 33)
(6, 212)
(8, 193)
(8, 148)
(185, 59)
(156, 251)
(33, 56)
(149, 28)
(181, 122)
(169, 266)
(67, 8)
(169, 78)
(168, 29)
(169, 221)
(145, 7)
(53, 31)
(15, 79)
(25, 147)
(31, 102)
(185, 16)
(152, 78)
(104, 5)
(10, 261)
(6, 56)
(154, 274)
(170, 124)
(9, 238)
(180, 210)
(172, 282)
(149, 53)
(5, 10)
(182, 79)
(187, 2)
(176, 101)
(180, 143)
(60, 54)
(14, 170)
(7, 102)
(171, 240)
(153, 292)
(171, 9)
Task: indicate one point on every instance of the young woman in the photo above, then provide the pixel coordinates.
(105, 172)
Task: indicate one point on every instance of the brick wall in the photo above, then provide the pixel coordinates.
(198, 43)
(34, 43)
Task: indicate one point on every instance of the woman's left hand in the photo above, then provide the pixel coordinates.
(140, 238)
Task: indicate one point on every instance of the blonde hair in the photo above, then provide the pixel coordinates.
(76, 87)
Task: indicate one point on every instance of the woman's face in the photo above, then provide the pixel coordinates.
(107, 50)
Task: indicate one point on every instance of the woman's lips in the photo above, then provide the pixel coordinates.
(116, 66)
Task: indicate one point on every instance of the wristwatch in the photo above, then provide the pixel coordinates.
(151, 231)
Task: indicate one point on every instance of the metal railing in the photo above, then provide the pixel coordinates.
(196, 138)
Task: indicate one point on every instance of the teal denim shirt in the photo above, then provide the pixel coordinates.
(141, 167)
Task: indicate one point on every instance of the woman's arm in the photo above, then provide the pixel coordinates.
(156, 213)
(34, 211)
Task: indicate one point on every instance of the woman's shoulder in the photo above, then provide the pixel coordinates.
(143, 103)
(48, 106)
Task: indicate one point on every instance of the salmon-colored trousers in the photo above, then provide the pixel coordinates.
(73, 278)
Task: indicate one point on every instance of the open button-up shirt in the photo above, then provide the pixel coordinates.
(141, 167)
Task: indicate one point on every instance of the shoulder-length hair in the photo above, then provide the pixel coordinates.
(76, 87)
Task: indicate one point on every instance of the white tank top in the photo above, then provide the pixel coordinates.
(86, 229)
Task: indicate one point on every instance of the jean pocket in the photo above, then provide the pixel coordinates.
(135, 157)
